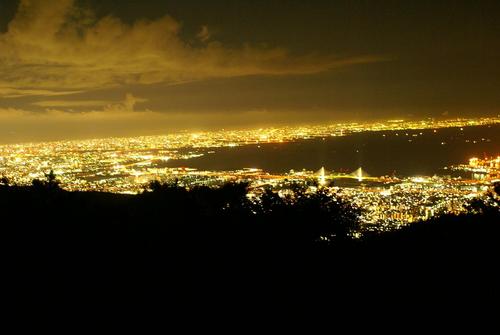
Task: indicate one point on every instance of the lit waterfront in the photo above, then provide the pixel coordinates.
(126, 165)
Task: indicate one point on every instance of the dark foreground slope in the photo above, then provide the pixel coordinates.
(170, 242)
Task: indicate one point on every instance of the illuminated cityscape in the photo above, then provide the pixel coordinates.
(127, 165)
(198, 156)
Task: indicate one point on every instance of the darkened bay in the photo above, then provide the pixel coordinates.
(404, 153)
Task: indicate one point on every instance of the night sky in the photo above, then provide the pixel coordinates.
(94, 68)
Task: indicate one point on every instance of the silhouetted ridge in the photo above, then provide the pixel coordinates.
(89, 243)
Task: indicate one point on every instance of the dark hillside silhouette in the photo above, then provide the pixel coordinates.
(90, 244)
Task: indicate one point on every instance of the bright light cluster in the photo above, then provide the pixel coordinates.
(126, 165)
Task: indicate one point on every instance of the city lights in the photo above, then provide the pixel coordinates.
(126, 165)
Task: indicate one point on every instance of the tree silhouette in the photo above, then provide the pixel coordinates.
(307, 216)
(4, 181)
(496, 188)
(169, 229)
(50, 183)
(490, 205)
(159, 187)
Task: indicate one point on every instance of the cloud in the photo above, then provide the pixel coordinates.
(204, 35)
(9, 92)
(128, 104)
(18, 125)
(57, 47)
(57, 122)
(56, 107)
(70, 103)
